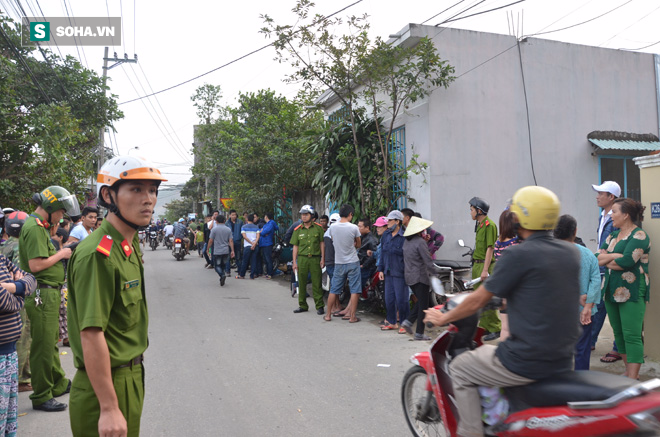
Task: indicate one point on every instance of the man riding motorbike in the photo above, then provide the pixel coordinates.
(539, 280)
(181, 231)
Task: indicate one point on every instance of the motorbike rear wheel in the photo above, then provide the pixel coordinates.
(420, 406)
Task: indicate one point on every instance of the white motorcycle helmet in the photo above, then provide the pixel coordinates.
(120, 169)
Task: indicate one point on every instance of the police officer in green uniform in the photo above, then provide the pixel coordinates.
(484, 246)
(39, 257)
(107, 308)
(308, 257)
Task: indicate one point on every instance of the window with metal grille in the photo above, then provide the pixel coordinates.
(397, 152)
(341, 114)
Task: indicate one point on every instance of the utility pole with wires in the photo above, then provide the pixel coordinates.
(117, 61)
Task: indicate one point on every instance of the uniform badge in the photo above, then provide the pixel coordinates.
(131, 284)
(126, 247)
(105, 246)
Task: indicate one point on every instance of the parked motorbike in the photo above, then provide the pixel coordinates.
(453, 276)
(373, 293)
(179, 251)
(153, 239)
(572, 404)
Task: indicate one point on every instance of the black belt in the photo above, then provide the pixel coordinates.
(479, 261)
(42, 286)
(134, 362)
(311, 256)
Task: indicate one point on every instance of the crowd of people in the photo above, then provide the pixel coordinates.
(69, 275)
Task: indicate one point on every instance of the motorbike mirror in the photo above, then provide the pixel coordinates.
(461, 243)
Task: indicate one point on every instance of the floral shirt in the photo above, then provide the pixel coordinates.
(623, 285)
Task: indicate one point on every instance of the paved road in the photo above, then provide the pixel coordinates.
(236, 361)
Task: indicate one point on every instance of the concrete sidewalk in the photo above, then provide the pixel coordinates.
(650, 369)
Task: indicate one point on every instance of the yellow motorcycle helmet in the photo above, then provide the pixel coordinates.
(536, 208)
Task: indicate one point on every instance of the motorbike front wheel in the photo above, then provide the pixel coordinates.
(420, 406)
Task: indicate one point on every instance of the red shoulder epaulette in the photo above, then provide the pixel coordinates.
(39, 222)
(105, 246)
(297, 227)
(127, 248)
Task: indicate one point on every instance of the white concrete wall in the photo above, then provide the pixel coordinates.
(477, 128)
(474, 134)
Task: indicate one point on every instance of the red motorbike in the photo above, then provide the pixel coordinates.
(578, 403)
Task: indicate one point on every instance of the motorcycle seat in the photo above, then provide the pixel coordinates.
(452, 264)
(575, 386)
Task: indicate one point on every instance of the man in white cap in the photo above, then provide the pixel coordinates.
(608, 192)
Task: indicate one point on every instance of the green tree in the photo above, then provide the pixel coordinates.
(259, 150)
(401, 75)
(324, 59)
(207, 101)
(52, 113)
(176, 209)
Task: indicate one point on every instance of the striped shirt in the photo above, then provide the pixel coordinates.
(11, 303)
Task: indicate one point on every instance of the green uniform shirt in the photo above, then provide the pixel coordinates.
(35, 243)
(107, 291)
(486, 237)
(308, 240)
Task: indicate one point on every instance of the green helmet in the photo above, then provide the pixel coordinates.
(55, 198)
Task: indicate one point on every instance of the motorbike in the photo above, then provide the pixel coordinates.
(453, 276)
(160, 237)
(153, 240)
(169, 242)
(179, 251)
(571, 404)
(373, 293)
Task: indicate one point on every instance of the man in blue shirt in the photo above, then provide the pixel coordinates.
(266, 241)
(250, 232)
(86, 226)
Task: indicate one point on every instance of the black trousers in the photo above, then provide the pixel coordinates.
(421, 292)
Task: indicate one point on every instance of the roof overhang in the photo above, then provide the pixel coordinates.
(624, 147)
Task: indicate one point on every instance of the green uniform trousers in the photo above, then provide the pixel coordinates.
(309, 265)
(489, 319)
(23, 349)
(48, 378)
(84, 409)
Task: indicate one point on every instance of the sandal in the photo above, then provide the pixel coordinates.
(402, 331)
(240, 277)
(389, 327)
(611, 357)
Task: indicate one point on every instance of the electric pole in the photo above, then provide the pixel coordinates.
(116, 61)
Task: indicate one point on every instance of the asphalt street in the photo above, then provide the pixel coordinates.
(236, 361)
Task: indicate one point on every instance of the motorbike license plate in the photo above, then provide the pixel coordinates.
(177, 246)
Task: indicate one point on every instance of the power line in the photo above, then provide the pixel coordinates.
(242, 57)
(159, 105)
(442, 12)
(112, 37)
(51, 32)
(75, 40)
(529, 127)
(64, 92)
(154, 120)
(21, 60)
(182, 147)
(617, 34)
(482, 12)
(464, 10)
(642, 48)
(577, 24)
(121, 14)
